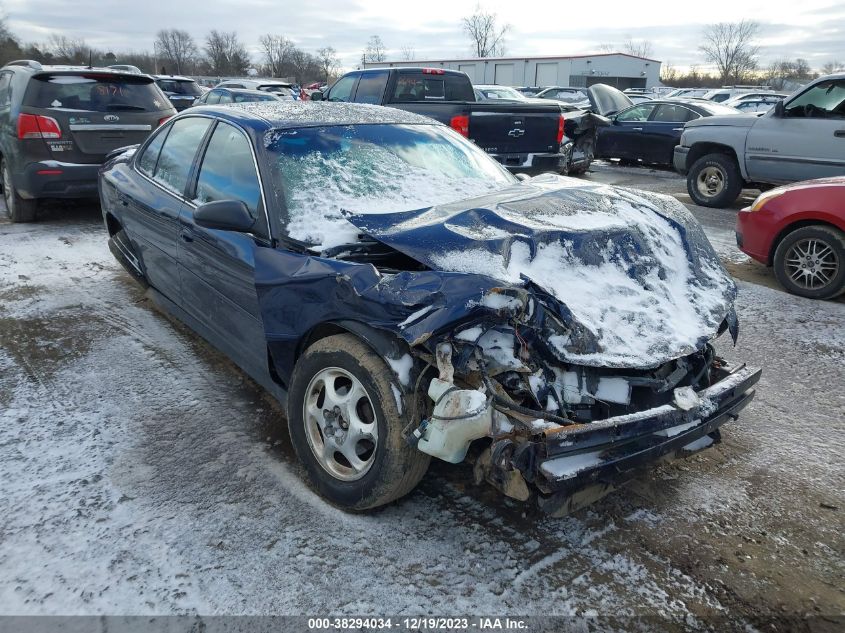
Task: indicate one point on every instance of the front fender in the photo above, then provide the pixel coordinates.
(704, 139)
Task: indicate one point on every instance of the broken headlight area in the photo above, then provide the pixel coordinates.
(561, 432)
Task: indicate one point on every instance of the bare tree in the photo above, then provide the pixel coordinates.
(176, 48)
(783, 72)
(328, 61)
(486, 36)
(668, 74)
(68, 50)
(277, 50)
(637, 48)
(832, 66)
(408, 53)
(730, 47)
(225, 54)
(375, 51)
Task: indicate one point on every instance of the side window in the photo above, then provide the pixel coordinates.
(177, 154)
(342, 90)
(228, 170)
(5, 80)
(225, 97)
(458, 88)
(371, 87)
(212, 97)
(824, 100)
(636, 114)
(671, 113)
(148, 159)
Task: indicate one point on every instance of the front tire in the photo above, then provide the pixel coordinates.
(346, 425)
(714, 181)
(810, 262)
(19, 209)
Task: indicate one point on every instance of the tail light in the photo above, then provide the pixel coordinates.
(164, 120)
(36, 126)
(460, 123)
(560, 124)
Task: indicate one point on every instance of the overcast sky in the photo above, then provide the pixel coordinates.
(813, 29)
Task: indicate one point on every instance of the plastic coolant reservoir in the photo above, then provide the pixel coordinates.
(460, 416)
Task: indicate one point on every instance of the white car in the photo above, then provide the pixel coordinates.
(281, 89)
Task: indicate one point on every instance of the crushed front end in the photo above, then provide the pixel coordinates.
(563, 433)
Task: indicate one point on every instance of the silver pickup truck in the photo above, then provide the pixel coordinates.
(802, 137)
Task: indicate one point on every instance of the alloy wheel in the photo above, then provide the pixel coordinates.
(340, 423)
(811, 263)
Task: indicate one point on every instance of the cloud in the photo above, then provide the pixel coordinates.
(816, 30)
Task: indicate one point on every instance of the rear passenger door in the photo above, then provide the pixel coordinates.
(152, 208)
(217, 268)
(663, 131)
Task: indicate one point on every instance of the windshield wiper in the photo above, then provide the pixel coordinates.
(125, 106)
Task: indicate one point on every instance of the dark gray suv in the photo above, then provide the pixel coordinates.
(58, 123)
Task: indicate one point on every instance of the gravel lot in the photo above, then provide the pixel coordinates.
(142, 473)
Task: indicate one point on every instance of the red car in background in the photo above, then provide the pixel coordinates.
(799, 230)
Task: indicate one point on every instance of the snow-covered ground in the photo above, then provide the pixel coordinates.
(142, 473)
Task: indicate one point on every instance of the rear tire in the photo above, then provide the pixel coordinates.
(19, 209)
(714, 181)
(343, 401)
(810, 262)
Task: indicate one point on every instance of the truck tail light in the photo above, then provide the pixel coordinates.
(560, 124)
(460, 123)
(36, 126)
(164, 120)
(433, 71)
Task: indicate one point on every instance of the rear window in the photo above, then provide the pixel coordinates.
(432, 88)
(95, 93)
(180, 87)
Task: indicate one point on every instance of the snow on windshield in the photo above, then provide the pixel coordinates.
(375, 169)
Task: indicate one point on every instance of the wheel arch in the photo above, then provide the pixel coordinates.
(384, 343)
(703, 148)
(794, 226)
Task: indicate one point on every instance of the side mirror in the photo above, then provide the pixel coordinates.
(316, 96)
(224, 215)
(779, 110)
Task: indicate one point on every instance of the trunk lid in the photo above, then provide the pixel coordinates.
(96, 111)
(514, 128)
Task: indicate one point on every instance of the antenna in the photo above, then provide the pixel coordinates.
(90, 55)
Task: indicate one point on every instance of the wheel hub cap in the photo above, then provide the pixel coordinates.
(710, 182)
(340, 424)
(812, 264)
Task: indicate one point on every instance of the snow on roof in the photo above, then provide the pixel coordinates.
(283, 114)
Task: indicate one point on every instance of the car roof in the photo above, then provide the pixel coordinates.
(35, 68)
(173, 77)
(489, 86)
(413, 69)
(294, 114)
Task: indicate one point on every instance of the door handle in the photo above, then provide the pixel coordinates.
(123, 200)
(677, 129)
(839, 133)
(636, 129)
(186, 237)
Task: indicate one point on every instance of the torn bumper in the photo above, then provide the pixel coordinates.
(575, 465)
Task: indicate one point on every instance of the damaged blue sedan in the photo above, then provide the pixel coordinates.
(405, 297)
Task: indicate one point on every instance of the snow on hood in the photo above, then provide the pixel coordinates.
(733, 120)
(635, 278)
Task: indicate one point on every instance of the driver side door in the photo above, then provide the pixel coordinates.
(623, 139)
(807, 142)
(217, 267)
